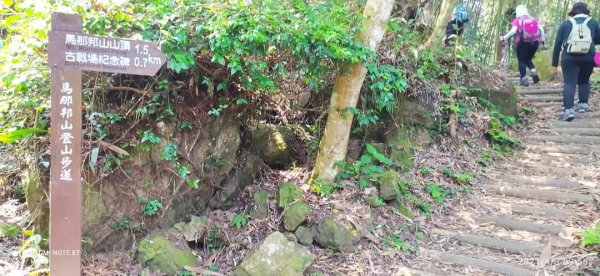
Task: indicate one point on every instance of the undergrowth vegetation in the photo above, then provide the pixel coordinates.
(231, 57)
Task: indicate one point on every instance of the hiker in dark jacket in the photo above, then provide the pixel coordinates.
(457, 24)
(578, 56)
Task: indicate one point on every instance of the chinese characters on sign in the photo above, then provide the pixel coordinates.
(66, 131)
(106, 54)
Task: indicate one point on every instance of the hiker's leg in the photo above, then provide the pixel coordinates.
(584, 81)
(532, 50)
(533, 47)
(570, 70)
(522, 56)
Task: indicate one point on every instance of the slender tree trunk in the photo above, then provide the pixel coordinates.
(439, 28)
(346, 91)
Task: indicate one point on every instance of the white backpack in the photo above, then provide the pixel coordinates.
(580, 38)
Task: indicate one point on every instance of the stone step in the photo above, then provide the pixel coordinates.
(576, 131)
(502, 268)
(543, 98)
(540, 91)
(543, 195)
(550, 212)
(521, 225)
(555, 157)
(571, 139)
(569, 149)
(547, 105)
(540, 181)
(587, 115)
(577, 124)
(559, 170)
(509, 246)
(538, 87)
(405, 271)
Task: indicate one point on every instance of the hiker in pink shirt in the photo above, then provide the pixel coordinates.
(528, 36)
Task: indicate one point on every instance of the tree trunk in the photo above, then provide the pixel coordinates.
(346, 91)
(439, 29)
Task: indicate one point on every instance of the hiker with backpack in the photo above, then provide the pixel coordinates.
(528, 36)
(576, 38)
(457, 24)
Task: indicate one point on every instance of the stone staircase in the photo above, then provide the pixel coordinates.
(523, 221)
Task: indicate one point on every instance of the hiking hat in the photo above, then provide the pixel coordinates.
(521, 10)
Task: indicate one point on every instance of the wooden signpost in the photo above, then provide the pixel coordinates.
(69, 52)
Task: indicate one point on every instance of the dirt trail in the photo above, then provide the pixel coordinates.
(524, 219)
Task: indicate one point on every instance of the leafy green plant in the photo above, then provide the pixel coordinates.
(366, 169)
(13, 136)
(425, 208)
(193, 183)
(499, 137)
(150, 207)
(591, 236)
(323, 188)
(395, 241)
(148, 138)
(9, 230)
(425, 170)
(213, 240)
(239, 221)
(169, 153)
(31, 250)
(464, 178)
(436, 191)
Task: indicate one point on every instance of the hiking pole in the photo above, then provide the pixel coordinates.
(504, 59)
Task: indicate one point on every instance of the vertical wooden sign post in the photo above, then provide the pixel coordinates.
(69, 52)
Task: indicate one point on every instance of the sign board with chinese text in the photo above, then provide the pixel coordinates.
(69, 52)
(104, 54)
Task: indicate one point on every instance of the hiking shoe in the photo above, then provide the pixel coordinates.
(535, 76)
(583, 107)
(569, 115)
(524, 81)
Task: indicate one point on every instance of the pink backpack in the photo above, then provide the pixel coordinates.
(597, 59)
(529, 29)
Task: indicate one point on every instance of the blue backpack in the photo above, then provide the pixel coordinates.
(460, 13)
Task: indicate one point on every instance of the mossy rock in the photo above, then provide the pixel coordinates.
(276, 256)
(295, 215)
(260, 207)
(389, 185)
(195, 229)
(304, 235)
(505, 98)
(160, 252)
(400, 205)
(338, 237)
(412, 112)
(249, 166)
(288, 192)
(273, 143)
(400, 148)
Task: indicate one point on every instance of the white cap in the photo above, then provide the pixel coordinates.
(521, 10)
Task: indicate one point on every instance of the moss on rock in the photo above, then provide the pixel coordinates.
(273, 144)
(276, 256)
(330, 234)
(158, 252)
(304, 235)
(288, 192)
(260, 207)
(295, 215)
(389, 187)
